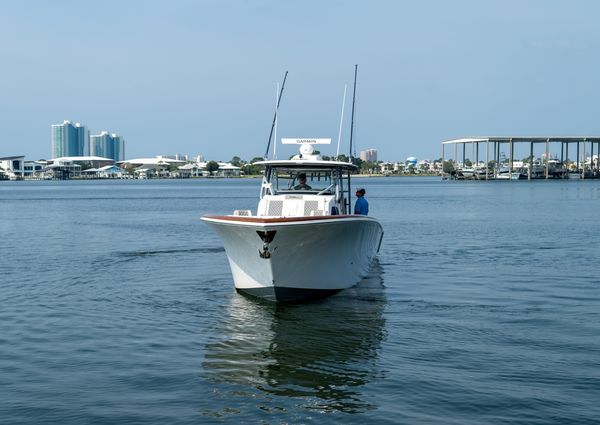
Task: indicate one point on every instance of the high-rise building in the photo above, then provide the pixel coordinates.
(369, 155)
(107, 145)
(69, 139)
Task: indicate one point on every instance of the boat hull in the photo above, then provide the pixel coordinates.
(295, 259)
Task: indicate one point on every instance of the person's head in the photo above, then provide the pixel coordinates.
(360, 192)
(302, 178)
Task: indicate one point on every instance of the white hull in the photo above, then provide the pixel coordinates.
(507, 176)
(305, 257)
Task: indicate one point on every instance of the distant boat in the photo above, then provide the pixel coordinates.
(504, 173)
(467, 172)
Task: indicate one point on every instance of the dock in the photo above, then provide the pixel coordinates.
(499, 166)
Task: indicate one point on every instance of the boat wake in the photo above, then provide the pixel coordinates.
(206, 250)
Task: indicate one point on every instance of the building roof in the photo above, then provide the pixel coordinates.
(152, 161)
(226, 166)
(52, 166)
(9, 158)
(81, 158)
(190, 166)
(534, 139)
(110, 167)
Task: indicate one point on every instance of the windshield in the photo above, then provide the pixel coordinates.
(302, 180)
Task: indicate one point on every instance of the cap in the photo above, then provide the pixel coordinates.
(361, 190)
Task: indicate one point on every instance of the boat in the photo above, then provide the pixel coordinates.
(302, 242)
(467, 172)
(505, 173)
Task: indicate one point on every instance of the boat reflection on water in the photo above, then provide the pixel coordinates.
(321, 353)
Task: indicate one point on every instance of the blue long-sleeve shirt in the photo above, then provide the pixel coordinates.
(361, 206)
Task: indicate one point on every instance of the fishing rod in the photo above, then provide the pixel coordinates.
(275, 116)
(352, 120)
(351, 134)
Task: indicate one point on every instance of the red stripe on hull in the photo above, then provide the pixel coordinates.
(282, 219)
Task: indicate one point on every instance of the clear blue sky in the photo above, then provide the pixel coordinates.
(198, 77)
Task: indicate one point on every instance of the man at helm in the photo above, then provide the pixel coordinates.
(302, 183)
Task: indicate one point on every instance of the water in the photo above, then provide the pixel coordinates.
(118, 307)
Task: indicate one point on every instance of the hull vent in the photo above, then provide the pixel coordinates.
(311, 208)
(275, 208)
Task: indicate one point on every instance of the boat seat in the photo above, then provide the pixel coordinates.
(242, 213)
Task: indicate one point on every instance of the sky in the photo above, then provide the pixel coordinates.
(199, 77)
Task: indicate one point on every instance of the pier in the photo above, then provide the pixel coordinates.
(499, 166)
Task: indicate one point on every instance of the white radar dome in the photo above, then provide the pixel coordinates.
(306, 149)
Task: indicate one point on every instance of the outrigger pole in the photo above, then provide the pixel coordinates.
(351, 134)
(275, 116)
(352, 120)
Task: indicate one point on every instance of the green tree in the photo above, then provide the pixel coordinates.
(468, 162)
(236, 161)
(448, 166)
(212, 166)
(357, 161)
(251, 169)
(369, 167)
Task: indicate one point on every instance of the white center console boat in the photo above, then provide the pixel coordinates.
(303, 241)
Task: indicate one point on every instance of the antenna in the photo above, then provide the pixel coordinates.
(337, 153)
(275, 116)
(353, 101)
(276, 120)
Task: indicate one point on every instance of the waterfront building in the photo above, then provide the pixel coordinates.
(84, 162)
(62, 170)
(369, 155)
(69, 140)
(108, 146)
(33, 168)
(193, 170)
(106, 172)
(228, 170)
(12, 167)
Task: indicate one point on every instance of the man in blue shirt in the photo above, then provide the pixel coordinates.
(361, 206)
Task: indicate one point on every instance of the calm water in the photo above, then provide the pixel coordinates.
(117, 306)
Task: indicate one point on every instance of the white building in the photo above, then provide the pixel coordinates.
(369, 155)
(33, 168)
(12, 167)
